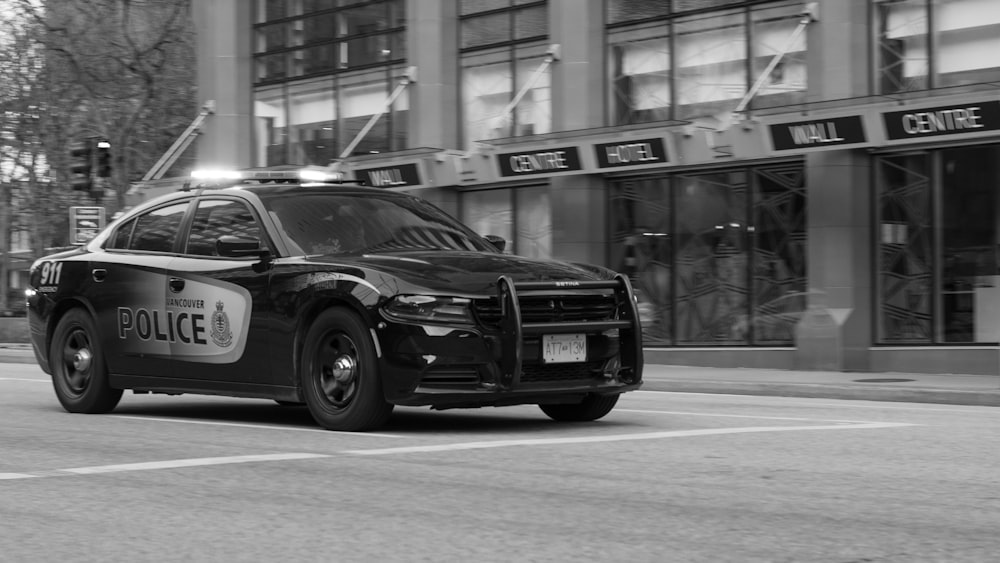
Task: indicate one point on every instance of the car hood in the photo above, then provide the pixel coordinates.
(467, 272)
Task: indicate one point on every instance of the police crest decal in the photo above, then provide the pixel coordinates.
(221, 334)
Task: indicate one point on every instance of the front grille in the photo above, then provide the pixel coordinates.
(547, 309)
(538, 372)
(450, 376)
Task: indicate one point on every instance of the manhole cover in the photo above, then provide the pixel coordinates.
(882, 380)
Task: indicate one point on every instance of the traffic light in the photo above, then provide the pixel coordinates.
(103, 159)
(80, 166)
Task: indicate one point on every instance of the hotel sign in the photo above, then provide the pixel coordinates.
(631, 153)
(546, 161)
(943, 120)
(818, 133)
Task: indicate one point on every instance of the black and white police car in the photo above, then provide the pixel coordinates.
(348, 299)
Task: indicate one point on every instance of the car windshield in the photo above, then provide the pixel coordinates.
(366, 223)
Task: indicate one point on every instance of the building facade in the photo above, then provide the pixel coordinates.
(789, 184)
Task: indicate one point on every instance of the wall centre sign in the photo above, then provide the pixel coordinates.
(943, 120)
(390, 176)
(833, 131)
(545, 161)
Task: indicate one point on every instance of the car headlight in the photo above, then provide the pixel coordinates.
(428, 308)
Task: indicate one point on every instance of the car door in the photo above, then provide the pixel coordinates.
(219, 303)
(129, 290)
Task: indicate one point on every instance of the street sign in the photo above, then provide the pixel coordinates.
(85, 223)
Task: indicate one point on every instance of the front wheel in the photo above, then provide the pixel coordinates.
(79, 374)
(340, 379)
(592, 407)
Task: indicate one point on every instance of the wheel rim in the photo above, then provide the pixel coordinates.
(337, 370)
(77, 360)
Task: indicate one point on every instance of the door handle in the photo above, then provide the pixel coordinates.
(176, 284)
(99, 274)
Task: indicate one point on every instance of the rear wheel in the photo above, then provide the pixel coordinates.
(79, 375)
(340, 379)
(592, 407)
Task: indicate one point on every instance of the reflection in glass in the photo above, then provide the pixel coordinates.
(711, 69)
(905, 250)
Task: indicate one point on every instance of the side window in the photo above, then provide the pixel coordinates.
(122, 236)
(157, 230)
(215, 218)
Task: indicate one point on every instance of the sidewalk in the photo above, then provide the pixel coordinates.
(954, 389)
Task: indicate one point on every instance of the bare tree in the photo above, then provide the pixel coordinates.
(70, 70)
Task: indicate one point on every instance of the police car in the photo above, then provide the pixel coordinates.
(350, 300)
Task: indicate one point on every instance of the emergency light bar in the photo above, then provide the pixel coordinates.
(304, 175)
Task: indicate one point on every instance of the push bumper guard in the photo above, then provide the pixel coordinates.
(513, 330)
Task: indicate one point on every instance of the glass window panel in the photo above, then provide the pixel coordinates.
(970, 287)
(534, 223)
(533, 113)
(320, 58)
(642, 248)
(639, 64)
(486, 91)
(362, 19)
(319, 27)
(475, 6)
(318, 5)
(157, 230)
(312, 117)
(271, 37)
(901, 50)
(711, 64)
(687, 5)
(905, 250)
(358, 103)
(271, 67)
(967, 40)
(218, 218)
(779, 255)
(486, 30)
(629, 10)
(270, 127)
(531, 22)
(362, 51)
(773, 27)
(489, 212)
(270, 10)
(712, 259)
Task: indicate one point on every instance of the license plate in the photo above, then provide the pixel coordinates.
(564, 348)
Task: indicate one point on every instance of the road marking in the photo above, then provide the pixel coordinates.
(245, 425)
(168, 464)
(25, 379)
(618, 438)
(712, 414)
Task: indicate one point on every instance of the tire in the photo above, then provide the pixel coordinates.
(592, 407)
(79, 374)
(340, 379)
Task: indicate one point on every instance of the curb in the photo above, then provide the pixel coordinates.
(828, 391)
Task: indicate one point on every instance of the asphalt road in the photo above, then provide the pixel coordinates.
(666, 477)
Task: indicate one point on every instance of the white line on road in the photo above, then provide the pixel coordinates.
(33, 380)
(169, 464)
(244, 425)
(617, 438)
(712, 414)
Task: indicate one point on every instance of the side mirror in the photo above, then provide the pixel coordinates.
(238, 247)
(497, 241)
